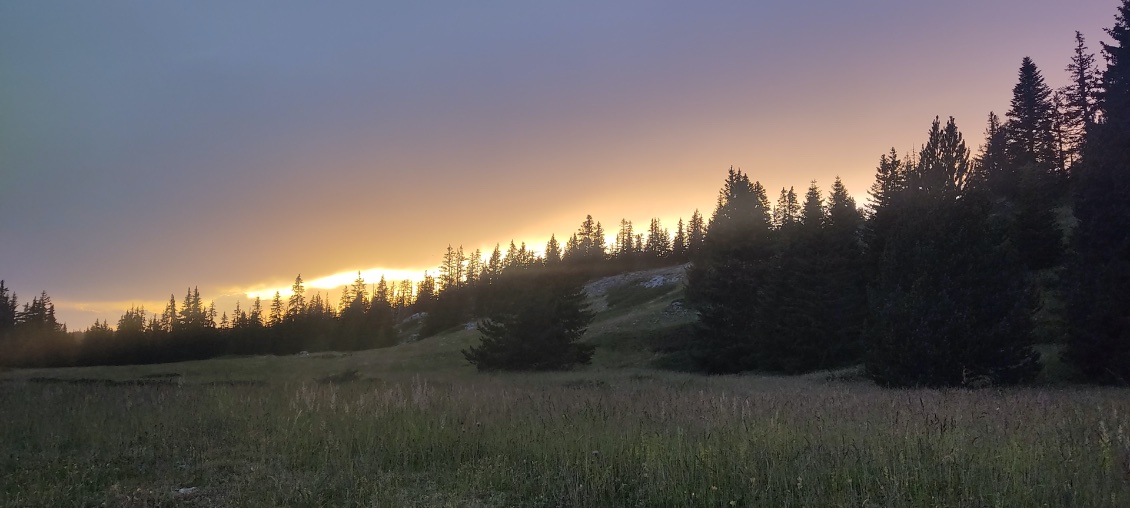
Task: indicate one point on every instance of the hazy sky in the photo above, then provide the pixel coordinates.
(150, 146)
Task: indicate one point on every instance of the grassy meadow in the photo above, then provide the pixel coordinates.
(414, 425)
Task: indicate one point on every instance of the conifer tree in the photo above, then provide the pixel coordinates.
(425, 293)
(1098, 309)
(169, 317)
(296, 306)
(991, 168)
(357, 291)
(450, 269)
(536, 326)
(1081, 99)
(787, 211)
(494, 266)
(696, 232)
(475, 266)
(658, 245)
(552, 251)
(1030, 137)
(1037, 179)
(679, 243)
(8, 311)
(624, 249)
(950, 306)
(725, 282)
(255, 317)
(275, 318)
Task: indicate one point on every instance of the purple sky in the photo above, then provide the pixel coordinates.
(149, 146)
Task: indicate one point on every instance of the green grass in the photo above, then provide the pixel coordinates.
(415, 426)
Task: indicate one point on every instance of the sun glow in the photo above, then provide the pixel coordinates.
(371, 276)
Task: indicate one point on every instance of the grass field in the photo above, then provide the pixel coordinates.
(414, 426)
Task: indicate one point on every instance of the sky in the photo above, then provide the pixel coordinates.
(146, 147)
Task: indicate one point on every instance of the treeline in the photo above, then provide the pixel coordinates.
(957, 264)
(942, 283)
(467, 287)
(192, 331)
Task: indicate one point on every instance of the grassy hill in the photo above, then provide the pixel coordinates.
(414, 425)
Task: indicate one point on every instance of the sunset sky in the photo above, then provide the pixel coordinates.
(146, 147)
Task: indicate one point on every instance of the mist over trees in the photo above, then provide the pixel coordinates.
(959, 262)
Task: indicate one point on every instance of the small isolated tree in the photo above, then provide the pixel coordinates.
(535, 324)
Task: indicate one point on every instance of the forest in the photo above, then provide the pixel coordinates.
(958, 263)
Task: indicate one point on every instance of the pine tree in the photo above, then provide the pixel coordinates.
(552, 251)
(381, 292)
(950, 306)
(1097, 303)
(537, 326)
(1030, 137)
(991, 168)
(296, 306)
(679, 243)
(1037, 179)
(8, 311)
(943, 164)
(255, 317)
(357, 292)
(890, 179)
(276, 316)
(624, 250)
(787, 211)
(696, 233)
(658, 245)
(450, 269)
(475, 266)
(513, 257)
(494, 266)
(169, 317)
(728, 274)
(131, 325)
(1081, 99)
(425, 293)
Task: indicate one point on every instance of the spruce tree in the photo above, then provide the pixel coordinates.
(728, 275)
(658, 245)
(1037, 180)
(537, 324)
(696, 232)
(552, 251)
(276, 315)
(1099, 271)
(1031, 139)
(8, 308)
(991, 168)
(950, 306)
(1081, 97)
(679, 243)
(296, 306)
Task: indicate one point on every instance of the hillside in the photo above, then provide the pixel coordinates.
(631, 310)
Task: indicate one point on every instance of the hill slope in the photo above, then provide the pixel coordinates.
(630, 308)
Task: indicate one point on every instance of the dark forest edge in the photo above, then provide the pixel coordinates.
(947, 277)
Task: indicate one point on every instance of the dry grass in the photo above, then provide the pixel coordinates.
(415, 426)
(610, 438)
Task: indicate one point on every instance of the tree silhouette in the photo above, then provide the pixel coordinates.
(536, 326)
(726, 282)
(950, 305)
(1099, 282)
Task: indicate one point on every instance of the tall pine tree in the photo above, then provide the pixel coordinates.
(1098, 307)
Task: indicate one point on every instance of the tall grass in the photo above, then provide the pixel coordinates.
(618, 438)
